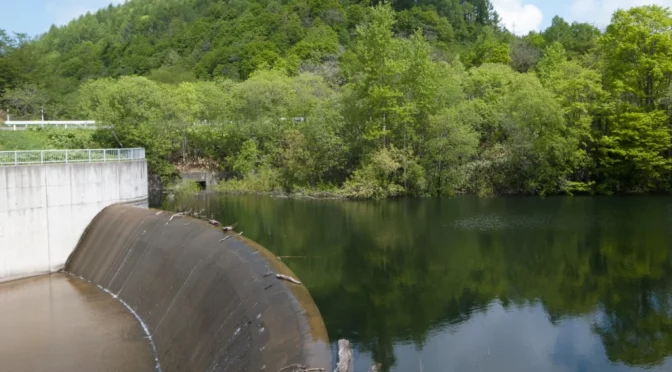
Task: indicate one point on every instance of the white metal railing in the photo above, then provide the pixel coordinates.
(16, 124)
(70, 156)
(51, 122)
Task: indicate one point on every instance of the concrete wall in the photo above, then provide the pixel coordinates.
(210, 178)
(45, 208)
(206, 304)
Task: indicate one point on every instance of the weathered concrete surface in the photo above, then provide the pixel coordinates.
(56, 323)
(45, 208)
(208, 304)
(210, 179)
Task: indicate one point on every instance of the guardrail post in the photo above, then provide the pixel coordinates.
(104, 156)
(66, 156)
(16, 158)
(118, 154)
(41, 157)
(89, 156)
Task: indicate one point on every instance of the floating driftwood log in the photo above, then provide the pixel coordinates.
(288, 278)
(299, 368)
(229, 228)
(345, 360)
(344, 356)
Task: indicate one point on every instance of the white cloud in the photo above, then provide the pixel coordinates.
(599, 12)
(518, 17)
(65, 11)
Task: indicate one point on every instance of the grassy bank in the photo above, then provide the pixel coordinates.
(46, 138)
(21, 140)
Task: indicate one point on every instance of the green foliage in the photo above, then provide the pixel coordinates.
(124, 104)
(315, 152)
(25, 102)
(175, 41)
(9, 70)
(633, 154)
(633, 144)
(21, 140)
(265, 180)
(47, 138)
(387, 172)
(577, 38)
(133, 109)
(637, 51)
(248, 159)
(374, 67)
(559, 32)
(406, 98)
(434, 27)
(452, 145)
(490, 47)
(394, 86)
(272, 94)
(554, 56)
(524, 55)
(171, 75)
(542, 149)
(527, 145)
(62, 138)
(184, 188)
(320, 42)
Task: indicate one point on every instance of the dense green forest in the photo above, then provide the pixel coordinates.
(360, 98)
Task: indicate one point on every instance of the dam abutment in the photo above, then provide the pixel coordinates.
(44, 208)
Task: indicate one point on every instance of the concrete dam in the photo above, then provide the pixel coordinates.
(142, 289)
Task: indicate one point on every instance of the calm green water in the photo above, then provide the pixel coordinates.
(469, 284)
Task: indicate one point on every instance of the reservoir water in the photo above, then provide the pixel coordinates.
(477, 284)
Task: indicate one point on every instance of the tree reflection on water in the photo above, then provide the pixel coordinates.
(391, 272)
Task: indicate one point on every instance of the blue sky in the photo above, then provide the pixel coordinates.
(521, 16)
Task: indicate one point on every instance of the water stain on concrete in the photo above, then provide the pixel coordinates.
(59, 323)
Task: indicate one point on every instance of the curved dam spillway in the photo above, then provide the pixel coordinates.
(204, 303)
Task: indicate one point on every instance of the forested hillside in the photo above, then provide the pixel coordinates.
(367, 100)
